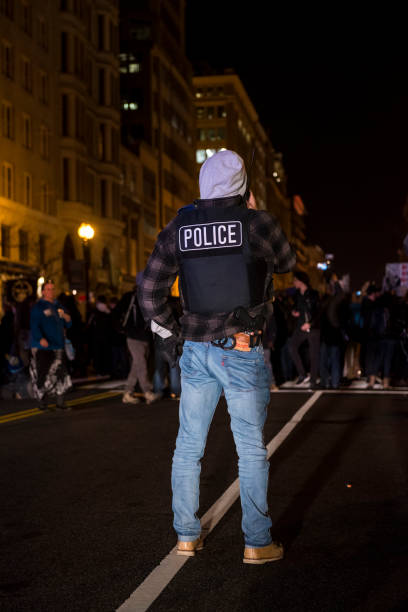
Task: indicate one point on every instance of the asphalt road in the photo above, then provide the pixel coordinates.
(85, 512)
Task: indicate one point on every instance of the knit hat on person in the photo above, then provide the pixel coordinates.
(222, 176)
(302, 277)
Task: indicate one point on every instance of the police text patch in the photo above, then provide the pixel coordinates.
(217, 235)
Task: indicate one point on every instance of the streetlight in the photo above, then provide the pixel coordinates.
(86, 232)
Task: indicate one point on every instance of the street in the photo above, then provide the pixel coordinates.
(86, 507)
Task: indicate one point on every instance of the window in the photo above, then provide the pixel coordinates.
(27, 74)
(102, 141)
(104, 199)
(27, 18)
(7, 120)
(149, 184)
(64, 52)
(23, 245)
(101, 88)
(28, 189)
(66, 190)
(5, 240)
(79, 58)
(42, 243)
(64, 115)
(101, 32)
(129, 64)
(44, 146)
(43, 87)
(44, 197)
(43, 33)
(7, 8)
(7, 60)
(7, 172)
(27, 131)
(203, 154)
(115, 200)
(90, 188)
(115, 145)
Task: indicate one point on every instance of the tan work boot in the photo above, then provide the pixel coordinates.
(188, 549)
(263, 554)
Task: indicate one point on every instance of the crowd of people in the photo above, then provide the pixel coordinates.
(322, 340)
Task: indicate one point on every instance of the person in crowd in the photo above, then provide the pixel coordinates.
(384, 330)
(138, 339)
(333, 324)
(372, 321)
(268, 343)
(75, 334)
(48, 368)
(100, 332)
(285, 325)
(225, 255)
(162, 364)
(306, 312)
(120, 362)
(354, 326)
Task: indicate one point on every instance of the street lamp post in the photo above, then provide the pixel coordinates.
(86, 232)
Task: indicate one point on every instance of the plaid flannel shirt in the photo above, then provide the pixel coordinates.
(267, 241)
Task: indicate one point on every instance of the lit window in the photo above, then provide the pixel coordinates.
(130, 106)
(200, 156)
(134, 67)
(199, 93)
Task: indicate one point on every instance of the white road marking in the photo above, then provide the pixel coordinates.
(146, 593)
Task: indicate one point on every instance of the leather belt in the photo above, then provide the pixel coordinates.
(241, 341)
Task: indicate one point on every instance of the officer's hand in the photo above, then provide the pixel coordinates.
(44, 342)
(171, 349)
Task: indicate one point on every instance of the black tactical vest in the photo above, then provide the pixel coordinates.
(217, 270)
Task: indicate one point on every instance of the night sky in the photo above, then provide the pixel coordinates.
(331, 90)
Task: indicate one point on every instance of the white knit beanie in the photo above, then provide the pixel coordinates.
(223, 175)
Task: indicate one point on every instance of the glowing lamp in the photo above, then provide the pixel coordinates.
(86, 231)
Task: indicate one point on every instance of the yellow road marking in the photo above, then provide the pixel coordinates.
(24, 414)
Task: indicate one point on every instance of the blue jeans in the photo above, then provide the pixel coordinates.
(330, 365)
(161, 365)
(205, 371)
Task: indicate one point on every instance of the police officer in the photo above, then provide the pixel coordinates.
(225, 255)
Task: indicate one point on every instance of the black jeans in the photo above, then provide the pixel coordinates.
(313, 340)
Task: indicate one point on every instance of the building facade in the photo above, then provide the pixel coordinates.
(227, 119)
(156, 100)
(59, 141)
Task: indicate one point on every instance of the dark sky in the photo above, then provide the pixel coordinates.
(331, 88)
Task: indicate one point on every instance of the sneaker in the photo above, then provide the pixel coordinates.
(129, 398)
(302, 379)
(151, 397)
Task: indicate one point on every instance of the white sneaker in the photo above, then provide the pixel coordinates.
(150, 396)
(129, 398)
